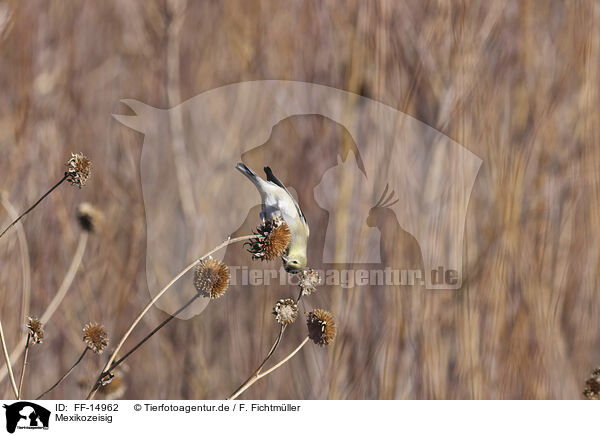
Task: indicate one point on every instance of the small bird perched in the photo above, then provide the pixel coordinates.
(278, 202)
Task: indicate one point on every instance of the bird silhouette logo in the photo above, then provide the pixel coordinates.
(24, 414)
(194, 199)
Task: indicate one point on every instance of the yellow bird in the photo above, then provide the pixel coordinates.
(277, 201)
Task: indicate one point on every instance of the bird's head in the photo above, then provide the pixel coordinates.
(294, 262)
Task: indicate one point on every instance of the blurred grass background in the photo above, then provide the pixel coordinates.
(515, 82)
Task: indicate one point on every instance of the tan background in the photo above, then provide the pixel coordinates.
(516, 82)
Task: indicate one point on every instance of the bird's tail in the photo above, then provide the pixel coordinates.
(254, 178)
(242, 168)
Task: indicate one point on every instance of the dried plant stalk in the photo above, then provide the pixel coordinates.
(34, 205)
(255, 375)
(25, 261)
(62, 291)
(7, 362)
(24, 366)
(258, 375)
(149, 335)
(69, 371)
(151, 303)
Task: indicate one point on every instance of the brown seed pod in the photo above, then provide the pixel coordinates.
(95, 337)
(36, 329)
(211, 278)
(285, 311)
(321, 327)
(89, 217)
(78, 170)
(309, 280)
(272, 239)
(592, 386)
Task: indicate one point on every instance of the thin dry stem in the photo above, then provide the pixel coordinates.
(263, 363)
(60, 295)
(258, 375)
(24, 366)
(7, 361)
(285, 359)
(66, 373)
(149, 335)
(250, 380)
(153, 301)
(25, 261)
(34, 205)
(62, 291)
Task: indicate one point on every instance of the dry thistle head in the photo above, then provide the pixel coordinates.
(272, 239)
(285, 311)
(95, 337)
(211, 278)
(36, 329)
(78, 169)
(321, 327)
(592, 386)
(309, 280)
(89, 217)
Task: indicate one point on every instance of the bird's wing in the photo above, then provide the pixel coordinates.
(271, 178)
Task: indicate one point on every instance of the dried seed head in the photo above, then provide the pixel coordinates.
(272, 239)
(285, 311)
(89, 217)
(211, 278)
(36, 329)
(95, 337)
(309, 280)
(321, 327)
(78, 169)
(592, 386)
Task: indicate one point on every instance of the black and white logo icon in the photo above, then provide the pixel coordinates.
(26, 415)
